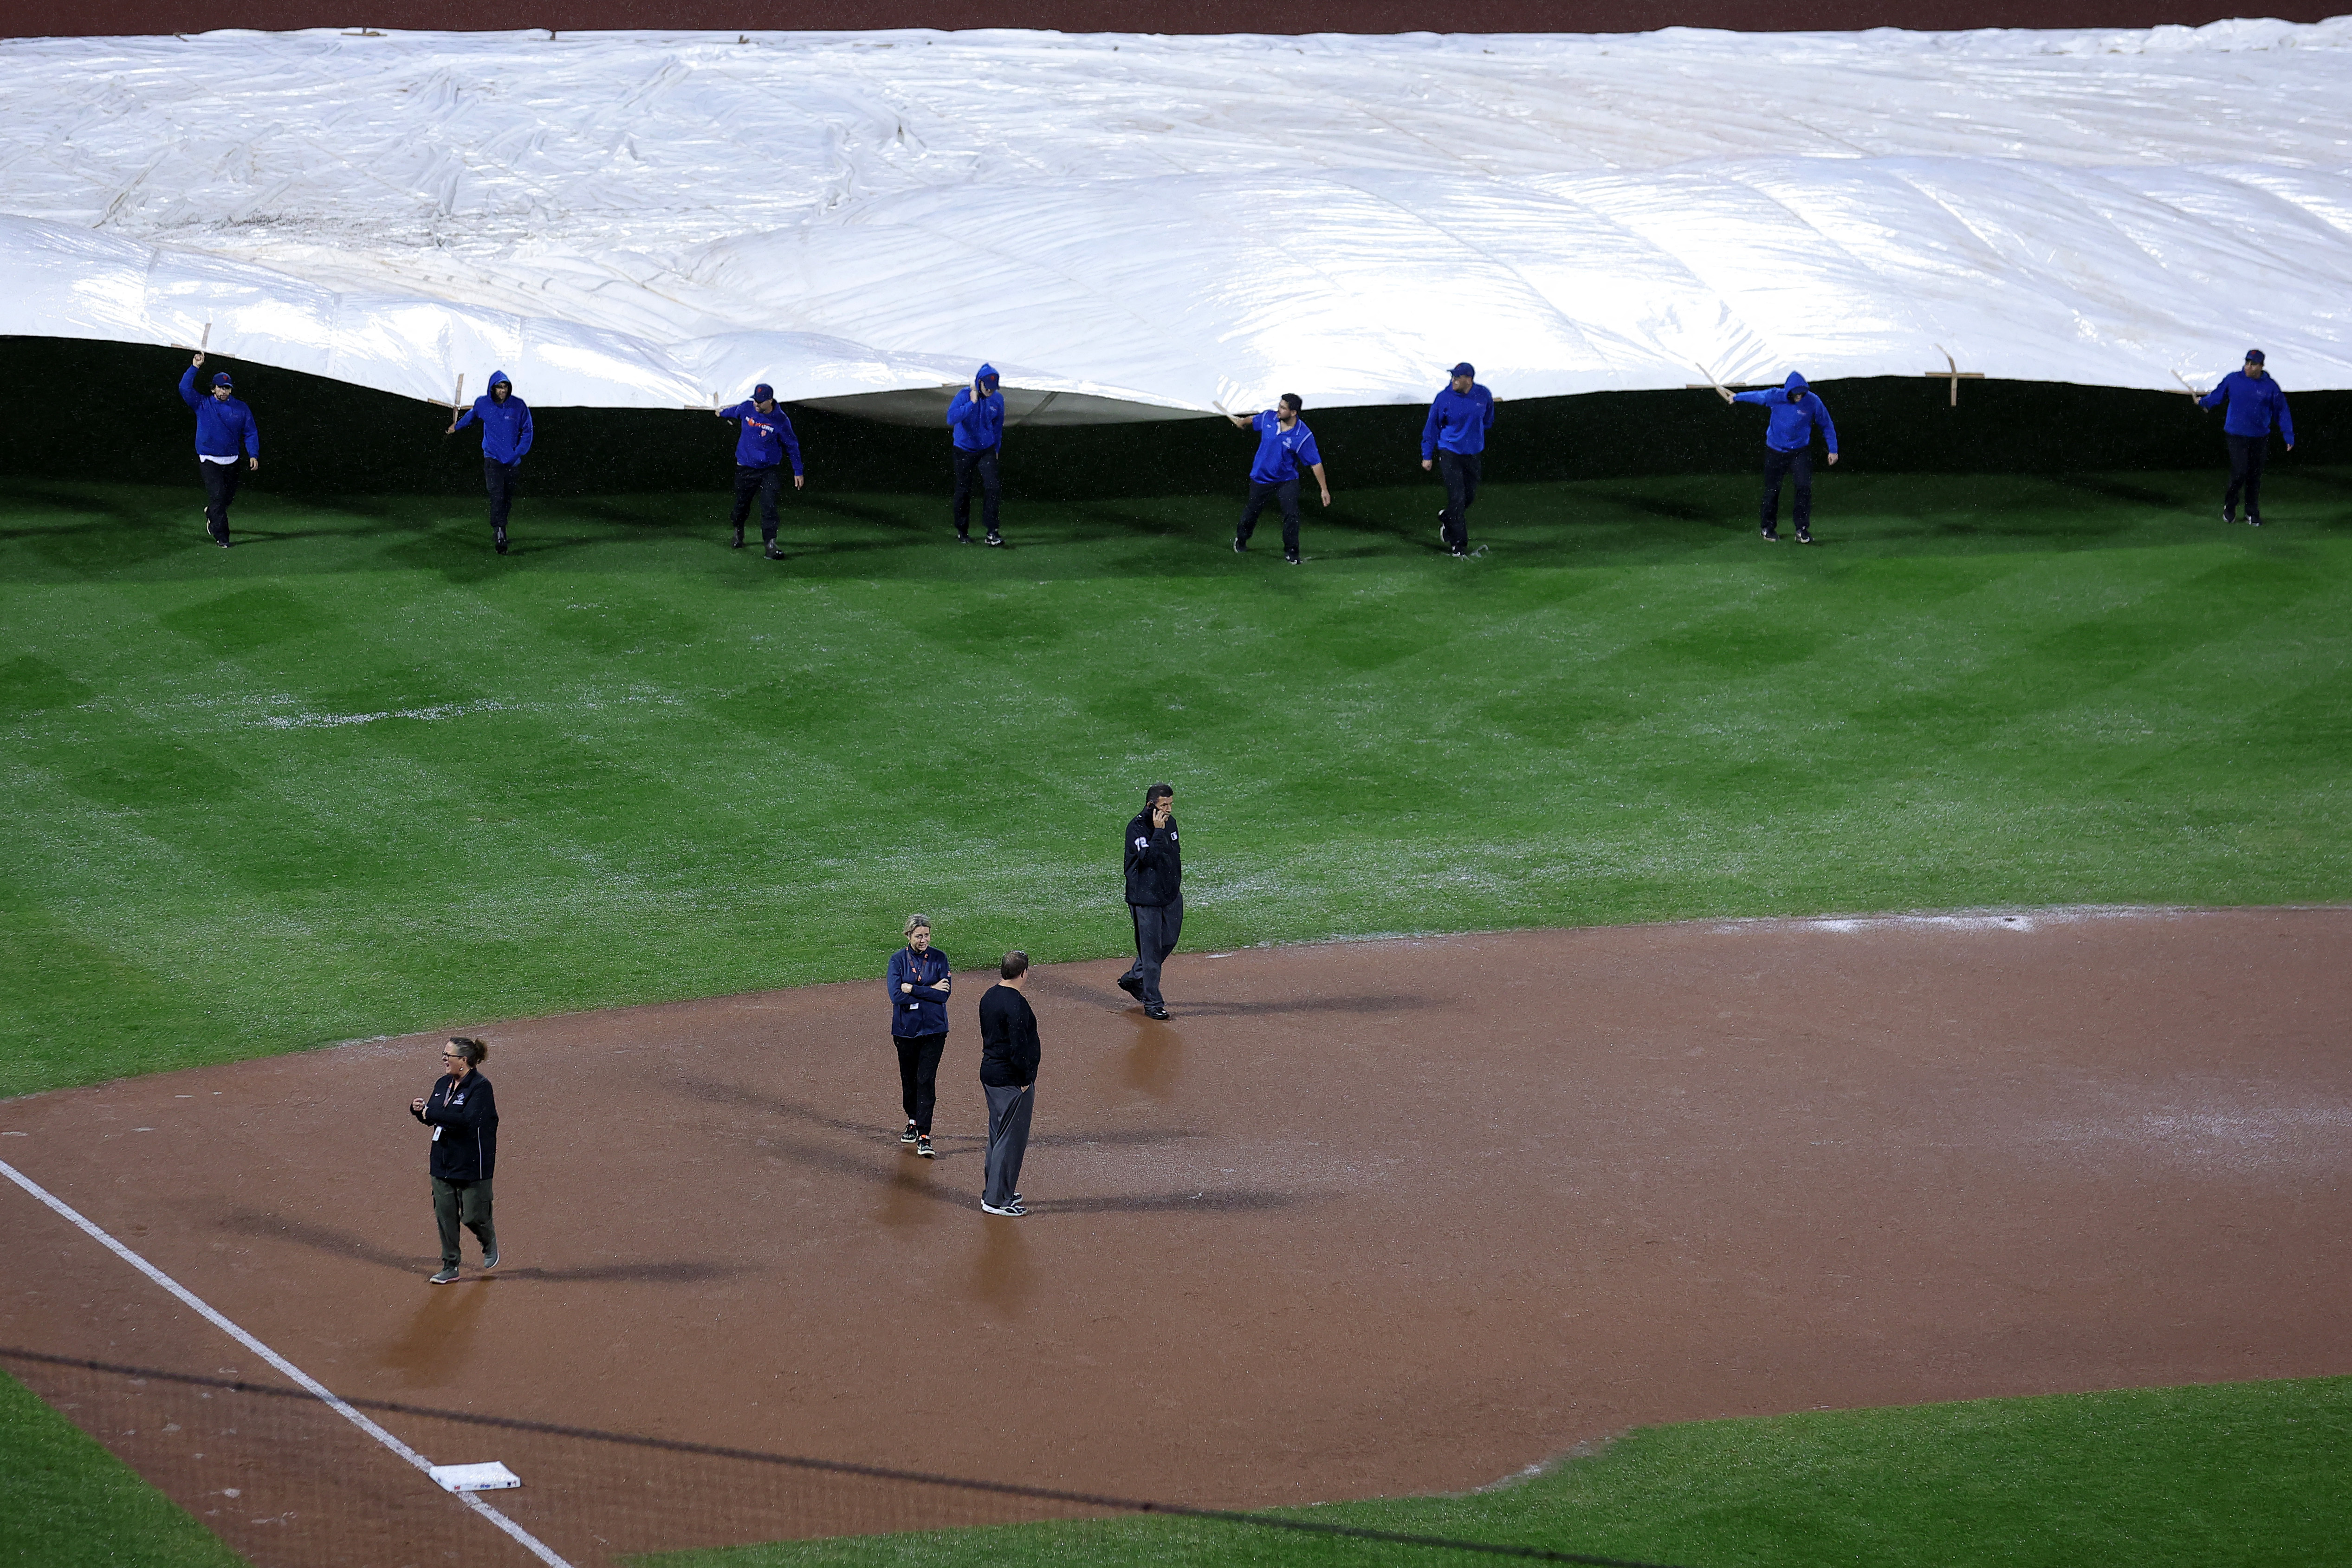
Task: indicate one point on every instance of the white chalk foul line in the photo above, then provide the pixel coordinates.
(310, 1384)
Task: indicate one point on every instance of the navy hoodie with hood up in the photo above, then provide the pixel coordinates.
(505, 427)
(1793, 419)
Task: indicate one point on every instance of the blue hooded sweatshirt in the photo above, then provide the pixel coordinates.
(222, 423)
(505, 427)
(765, 437)
(1793, 419)
(2252, 404)
(979, 424)
(1458, 421)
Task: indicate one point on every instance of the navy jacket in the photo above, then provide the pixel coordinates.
(505, 427)
(923, 1010)
(765, 437)
(465, 1117)
(1008, 1039)
(1792, 422)
(1155, 864)
(1458, 421)
(2252, 405)
(222, 423)
(977, 423)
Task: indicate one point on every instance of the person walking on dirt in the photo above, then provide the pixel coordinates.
(464, 1116)
(1155, 895)
(506, 439)
(225, 432)
(917, 982)
(2253, 401)
(1453, 438)
(1285, 446)
(1788, 448)
(976, 415)
(1009, 1054)
(764, 438)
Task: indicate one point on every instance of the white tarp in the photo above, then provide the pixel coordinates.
(647, 219)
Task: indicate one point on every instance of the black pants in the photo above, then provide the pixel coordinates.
(983, 462)
(2246, 455)
(919, 1075)
(1459, 471)
(498, 479)
(1777, 466)
(767, 483)
(1284, 495)
(1157, 927)
(221, 480)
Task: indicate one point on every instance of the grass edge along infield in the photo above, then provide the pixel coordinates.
(2210, 1475)
(361, 776)
(66, 1503)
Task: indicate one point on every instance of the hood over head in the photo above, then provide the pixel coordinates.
(987, 373)
(1794, 384)
(498, 379)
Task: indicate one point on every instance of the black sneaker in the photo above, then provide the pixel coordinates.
(490, 1258)
(498, 538)
(222, 539)
(1013, 1210)
(1804, 536)
(2228, 514)
(994, 537)
(1290, 558)
(1456, 552)
(962, 537)
(446, 1277)
(910, 1135)
(1155, 1012)
(1771, 538)
(1131, 985)
(2252, 521)
(739, 538)
(1240, 544)
(775, 551)
(923, 1146)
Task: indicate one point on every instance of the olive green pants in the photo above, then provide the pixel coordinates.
(465, 1202)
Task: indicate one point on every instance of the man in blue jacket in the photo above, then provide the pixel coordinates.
(225, 431)
(976, 415)
(1285, 446)
(2253, 400)
(764, 439)
(1788, 448)
(1453, 437)
(506, 438)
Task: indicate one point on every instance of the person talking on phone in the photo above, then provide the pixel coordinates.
(1155, 895)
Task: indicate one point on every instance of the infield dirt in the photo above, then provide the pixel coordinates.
(1366, 1218)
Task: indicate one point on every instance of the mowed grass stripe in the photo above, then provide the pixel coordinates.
(643, 765)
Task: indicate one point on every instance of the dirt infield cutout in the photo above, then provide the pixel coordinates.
(1363, 1218)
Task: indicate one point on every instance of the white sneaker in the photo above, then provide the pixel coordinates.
(1015, 1211)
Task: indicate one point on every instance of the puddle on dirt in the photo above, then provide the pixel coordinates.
(1003, 1276)
(1154, 1061)
(439, 1338)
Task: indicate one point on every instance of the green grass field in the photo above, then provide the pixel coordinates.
(65, 1503)
(2237, 1476)
(361, 776)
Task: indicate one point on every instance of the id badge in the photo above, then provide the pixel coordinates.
(436, 1133)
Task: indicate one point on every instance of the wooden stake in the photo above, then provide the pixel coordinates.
(2185, 386)
(1954, 373)
(1710, 383)
(202, 343)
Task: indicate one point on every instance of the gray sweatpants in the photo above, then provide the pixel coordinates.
(1008, 1141)
(1157, 927)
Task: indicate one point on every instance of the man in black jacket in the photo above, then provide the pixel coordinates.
(1008, 1075)
(1155, 895)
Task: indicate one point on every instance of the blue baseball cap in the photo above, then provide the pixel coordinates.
(220, 378)
(762, 393)
(2254, 357)
(1465, 368)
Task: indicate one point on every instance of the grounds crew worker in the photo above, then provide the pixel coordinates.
(223, 424)
(464, 1116)
(1453, 437)
(2253, 400)
(1285, 447)
(976, 414)
(765, 437)
(1155, 895)
(1788, 447)
(1008, 1077)
(506, 437)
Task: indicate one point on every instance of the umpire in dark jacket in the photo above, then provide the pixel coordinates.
(1155, 895)
(464, 1116)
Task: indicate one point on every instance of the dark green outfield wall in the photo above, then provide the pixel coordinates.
(88, 410)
